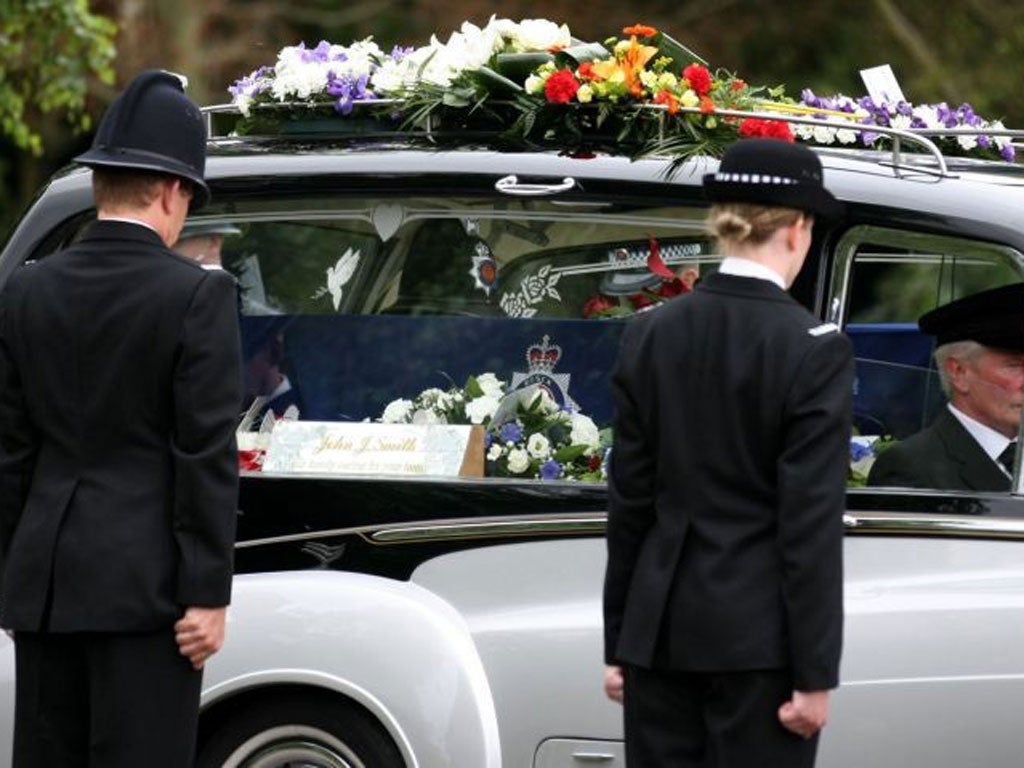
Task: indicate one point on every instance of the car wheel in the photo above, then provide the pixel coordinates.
(300, 732)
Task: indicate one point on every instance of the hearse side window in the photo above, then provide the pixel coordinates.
(350, 305)
(884, 281)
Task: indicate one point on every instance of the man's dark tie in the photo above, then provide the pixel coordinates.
(1006, 457)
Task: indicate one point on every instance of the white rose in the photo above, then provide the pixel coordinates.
(491, 385)
(495, 452)
(846, 136)
(518, 461)
(585, 94)
(427, 417)
(481, 408)
(823, 134)
(538, 446)
(967, 142)
(432, 396)
(397, 412)
(584, 431)
(534, 85)
(540, 35)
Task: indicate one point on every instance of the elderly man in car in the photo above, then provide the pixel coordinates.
(980, 358)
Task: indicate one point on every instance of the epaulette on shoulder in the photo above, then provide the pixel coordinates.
(821, 330)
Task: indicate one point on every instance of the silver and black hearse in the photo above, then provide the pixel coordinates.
(415, 618)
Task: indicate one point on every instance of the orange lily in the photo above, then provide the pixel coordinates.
(630, 64)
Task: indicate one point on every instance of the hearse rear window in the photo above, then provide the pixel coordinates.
(434, 311)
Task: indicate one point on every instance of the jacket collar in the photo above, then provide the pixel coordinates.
(750, 287)
(110, 229)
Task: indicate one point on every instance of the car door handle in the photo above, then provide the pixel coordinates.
(593, 757)
(510, 185)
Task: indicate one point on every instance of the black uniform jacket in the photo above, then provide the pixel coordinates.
(943, 456)
(727, 486)
(120, 387)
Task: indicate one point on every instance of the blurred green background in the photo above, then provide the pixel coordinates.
(62, 61)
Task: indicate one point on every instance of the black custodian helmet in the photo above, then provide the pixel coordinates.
(152, 125)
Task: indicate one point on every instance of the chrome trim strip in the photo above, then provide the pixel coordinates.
(481, 527)
(899, 523)
(593, 523)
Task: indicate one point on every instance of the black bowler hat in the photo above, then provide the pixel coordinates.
(152, 125)
(772, 172)
(994, 318)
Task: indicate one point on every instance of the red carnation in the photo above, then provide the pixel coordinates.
(561, 87)
(772, 129)
(586, 71)
(699, 79)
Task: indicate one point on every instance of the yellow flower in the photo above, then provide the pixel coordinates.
(689, 98)
(585, 94)
(667, 81)
(649, 79)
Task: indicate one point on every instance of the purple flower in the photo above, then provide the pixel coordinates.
(550, 470)
(252, 84)
(347, 91)
(984, 142)
(1007, 152)
(398, 52)
(511, 433)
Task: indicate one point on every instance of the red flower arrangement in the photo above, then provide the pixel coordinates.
(699, 79)
(753, 127)
(561, 87)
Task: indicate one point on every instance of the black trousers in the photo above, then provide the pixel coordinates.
(104, 700)
(710, 720)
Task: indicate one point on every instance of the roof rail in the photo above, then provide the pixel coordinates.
(920, 137)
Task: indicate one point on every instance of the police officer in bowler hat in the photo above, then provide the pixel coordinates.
(979, 355)
(120, 377)
(723, 590)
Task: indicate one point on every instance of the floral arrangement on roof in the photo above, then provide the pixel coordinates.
(905, 116)
(531, 83)
(528, 434)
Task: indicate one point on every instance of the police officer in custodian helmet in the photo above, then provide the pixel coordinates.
(119, 390)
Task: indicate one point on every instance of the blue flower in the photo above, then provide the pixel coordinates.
(511, 433)
(550, 470)
(859, 451)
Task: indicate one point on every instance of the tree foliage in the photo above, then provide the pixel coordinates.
(49, 49)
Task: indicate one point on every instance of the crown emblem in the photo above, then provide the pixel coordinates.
(543, 357)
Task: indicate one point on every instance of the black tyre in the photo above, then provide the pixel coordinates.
(299, 731)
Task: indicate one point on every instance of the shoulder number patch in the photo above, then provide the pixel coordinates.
(821, 330)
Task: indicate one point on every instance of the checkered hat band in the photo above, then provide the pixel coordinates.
(753, 178)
